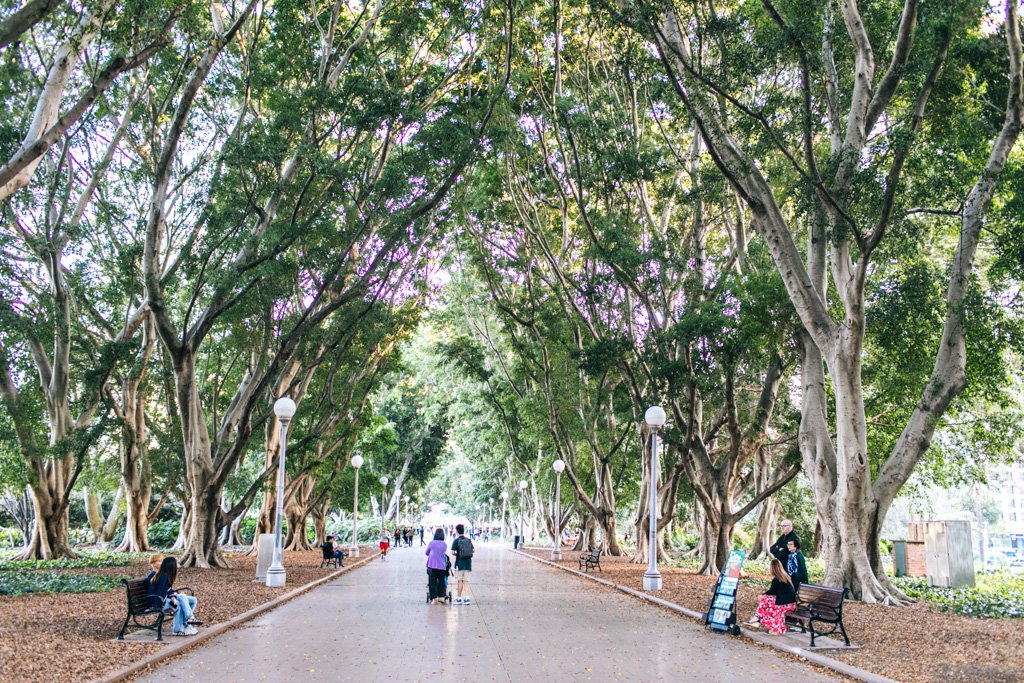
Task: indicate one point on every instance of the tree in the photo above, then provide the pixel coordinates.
(852, 199)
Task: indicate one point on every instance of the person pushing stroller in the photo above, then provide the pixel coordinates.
(437, 570)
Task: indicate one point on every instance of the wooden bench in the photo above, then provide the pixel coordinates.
(591, 558)
(138, 606)
(820, 604)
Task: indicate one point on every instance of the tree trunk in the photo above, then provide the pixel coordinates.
(767, 519)
(50, 534)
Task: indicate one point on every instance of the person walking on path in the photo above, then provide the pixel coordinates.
(385, 541)
(398, 536)
(437, 567)
(161, 595)
(463, 549)
(796, 566)
(776, 602)
(779, 550)
(421, 536)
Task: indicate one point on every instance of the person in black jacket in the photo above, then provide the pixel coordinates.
(776, 602)
(796, 565)
(779, 549)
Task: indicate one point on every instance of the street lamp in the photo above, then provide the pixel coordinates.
(357, 462)
(655, 418)
(383, 494)
(490, 517)
(407, 509)
(522, 511)
(504, 499)
(284, 408)
(556, 550)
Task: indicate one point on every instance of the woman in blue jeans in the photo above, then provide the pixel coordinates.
(161, 595)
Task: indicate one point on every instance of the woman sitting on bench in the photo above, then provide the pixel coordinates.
(776, 602)
(161, 595)
(330, 551)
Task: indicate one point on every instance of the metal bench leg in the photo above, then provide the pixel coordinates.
(811, 624)
(120, 636)
(842, 629)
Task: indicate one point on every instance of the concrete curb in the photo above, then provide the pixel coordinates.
(813, 657)
(217, 629)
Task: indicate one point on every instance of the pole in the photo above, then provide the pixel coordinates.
(522, 516)
(276, 574)
(556, 551)
(652, 578)
(354, 550)
(503, 534)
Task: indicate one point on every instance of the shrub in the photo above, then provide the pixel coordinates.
(998, 594)
(17, 583)
(163, 534)
(98, 558)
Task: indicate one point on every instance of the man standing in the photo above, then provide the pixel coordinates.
(463, 549)
(780, 550)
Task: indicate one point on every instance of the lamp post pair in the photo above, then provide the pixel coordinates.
(522, 511)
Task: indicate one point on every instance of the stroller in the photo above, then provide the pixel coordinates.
(447, 593)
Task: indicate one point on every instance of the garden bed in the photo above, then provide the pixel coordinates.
(71, 637)
(914, 644)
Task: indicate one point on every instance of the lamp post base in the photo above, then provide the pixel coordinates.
(652, 582)
(276, 576)
(353, 551)
(556, 555)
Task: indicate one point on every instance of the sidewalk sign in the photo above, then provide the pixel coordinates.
(721, 614)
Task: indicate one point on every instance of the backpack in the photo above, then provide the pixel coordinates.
(465, 548)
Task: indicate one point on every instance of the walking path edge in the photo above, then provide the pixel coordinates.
(813, 657)
(217, 629)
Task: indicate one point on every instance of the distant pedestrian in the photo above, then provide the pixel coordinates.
(462, 546)
(437, 567)
(398, 536)
(421, 536)
(385, 541)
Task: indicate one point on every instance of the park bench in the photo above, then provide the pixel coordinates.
(820, 604)
(328, 558)
(138, 606)
(591, 558)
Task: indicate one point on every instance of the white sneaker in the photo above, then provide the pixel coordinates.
(458, 601)
(466, 600)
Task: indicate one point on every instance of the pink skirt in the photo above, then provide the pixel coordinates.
(772, 616)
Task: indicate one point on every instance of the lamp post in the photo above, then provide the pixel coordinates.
(284, 408)
(556, 550)
(383, 494)
(407, 509)
(655, 419)
(357, 462)
(490, 517)
(522, 511)
(504, 499)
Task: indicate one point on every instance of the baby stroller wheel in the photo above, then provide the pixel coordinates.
(448, 598)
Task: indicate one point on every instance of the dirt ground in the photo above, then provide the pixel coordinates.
(915, 644)
(76, 633)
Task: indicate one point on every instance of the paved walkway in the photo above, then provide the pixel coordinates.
(527, 623)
